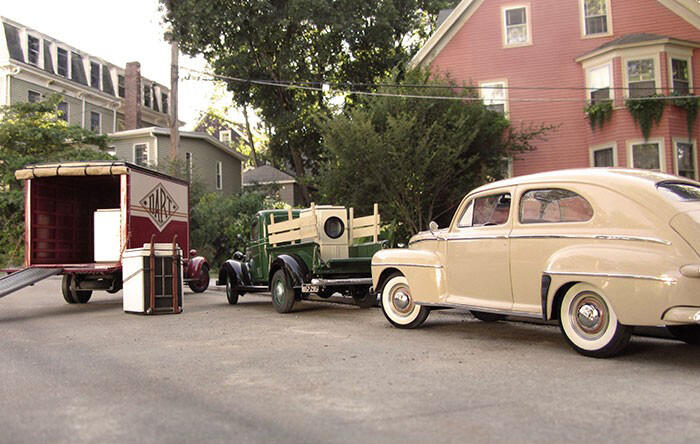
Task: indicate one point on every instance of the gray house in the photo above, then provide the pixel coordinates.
(277, 183)
(210, 162)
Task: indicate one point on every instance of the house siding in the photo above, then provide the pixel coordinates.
(204, 166)
(476, 54)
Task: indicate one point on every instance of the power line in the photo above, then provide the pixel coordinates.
(327, 88)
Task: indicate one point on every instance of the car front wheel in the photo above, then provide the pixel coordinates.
(201, 282)
(589, 323)
(398, 304)
(232, 292)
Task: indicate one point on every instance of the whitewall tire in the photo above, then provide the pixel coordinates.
(589, 323)
(398, 305)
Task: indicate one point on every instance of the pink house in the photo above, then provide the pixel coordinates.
(543, 61)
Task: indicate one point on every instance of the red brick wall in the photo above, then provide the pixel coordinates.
(476, 54)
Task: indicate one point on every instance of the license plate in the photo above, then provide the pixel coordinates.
(306, 288)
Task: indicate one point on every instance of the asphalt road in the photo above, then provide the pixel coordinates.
(326, 373)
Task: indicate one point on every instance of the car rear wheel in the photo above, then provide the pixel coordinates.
(73, 296)
(283, 295)
(398, 305)
(232, 292)
(201, 282)
(589, 323)
(687, 333)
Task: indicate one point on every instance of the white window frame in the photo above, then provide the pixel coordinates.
(608, 16)
(147, 151)
(662, 152)
(221, 138)
(67, 110)
(112, 150)
(219, 175)
(68, 64)
(657, 70)
(687, 59)
(694, 143)
(39, 56)
(528, 22)
(603, 146)
(611, 73)
(99, 115)
(31, 91)
(492, 83)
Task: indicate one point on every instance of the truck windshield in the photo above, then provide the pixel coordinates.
(680, 190)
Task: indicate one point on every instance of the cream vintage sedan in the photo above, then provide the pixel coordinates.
(600, 250)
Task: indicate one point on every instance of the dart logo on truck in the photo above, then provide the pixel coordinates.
(159, 205)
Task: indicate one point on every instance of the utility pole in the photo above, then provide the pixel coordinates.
(174, 77)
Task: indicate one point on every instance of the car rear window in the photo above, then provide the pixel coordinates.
(553, 205)
(680, 190)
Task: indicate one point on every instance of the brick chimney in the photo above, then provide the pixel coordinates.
(132, 96)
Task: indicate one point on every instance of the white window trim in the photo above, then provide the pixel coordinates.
(657, 70)
(693, 142)
(41, 96)
(528, 19)
(494, 83)
(100, 118)
(602, 146)
(190, 167)
(68, 64)
(608, 16)
(219, 174)
(590, 68)
(112, 150)
(148, 153)
(67, 110)
(678, 56)
(662, 152)
(40, 56)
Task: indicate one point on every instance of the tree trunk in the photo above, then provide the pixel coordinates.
(299, 169)
(250, 138)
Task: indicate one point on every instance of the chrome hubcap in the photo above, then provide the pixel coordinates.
(279, 290)
(588, 316)
(401, 301)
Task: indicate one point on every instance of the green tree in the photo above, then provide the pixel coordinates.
(31, 133)
(417, 157)
(317, 41)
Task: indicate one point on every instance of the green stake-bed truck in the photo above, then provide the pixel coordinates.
(296, 253)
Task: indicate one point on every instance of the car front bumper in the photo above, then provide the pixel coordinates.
(682, 315)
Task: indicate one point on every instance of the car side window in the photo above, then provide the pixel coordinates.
(553, 205)
(487, 210)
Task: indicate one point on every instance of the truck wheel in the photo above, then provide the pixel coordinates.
(398, 305)
(283, 296)
(232, 292)
(73, 296)
(589, 323)
(363, 298)
(201, 282)
(690, 334)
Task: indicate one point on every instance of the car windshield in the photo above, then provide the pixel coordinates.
(680, 191)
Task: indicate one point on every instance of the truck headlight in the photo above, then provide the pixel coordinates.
(334, 227)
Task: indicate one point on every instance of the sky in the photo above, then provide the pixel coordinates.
(118, 32)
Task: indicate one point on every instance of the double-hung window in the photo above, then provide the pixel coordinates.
(121, 86)
(95, 75)
(95, 122)
(147, 96)
(603, 156)
(62, 108)
(599, 81)
(494, 95)
(516, 26)
(595, 17)
(33, 50)
(188, 165)
(33, 96)
(141, 154)
(641, 77)
(225, 136)
(647, 155)
(686, 162)
(62, 62)
(680, 72)
(219, 176)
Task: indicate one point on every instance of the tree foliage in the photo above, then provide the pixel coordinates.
(217, 220)
(318, 41)
(32, 133)
(417, 157)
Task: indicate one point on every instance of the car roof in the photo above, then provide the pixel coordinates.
(611, 177)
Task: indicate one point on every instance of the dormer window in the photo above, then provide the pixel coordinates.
(225, 136)
(62, 62)
(147, 96)
(95, 75)
(33, 46)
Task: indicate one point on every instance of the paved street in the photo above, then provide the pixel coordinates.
(326, 373)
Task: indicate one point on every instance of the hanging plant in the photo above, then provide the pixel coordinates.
(690, 105)
(599, 113)
(646, 111)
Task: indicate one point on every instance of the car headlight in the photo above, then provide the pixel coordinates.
(334, 227)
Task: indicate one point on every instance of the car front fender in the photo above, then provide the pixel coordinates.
(194, 266)
(237, 271)
(423, 269)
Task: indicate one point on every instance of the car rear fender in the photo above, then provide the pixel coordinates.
(294, 267)
(194, 266)
(423, 270)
